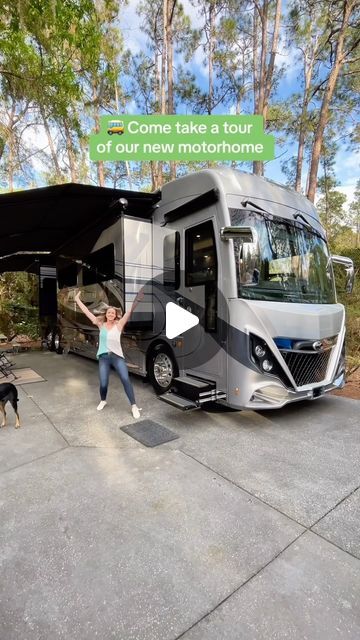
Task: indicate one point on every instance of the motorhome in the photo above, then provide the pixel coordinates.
(250, 259)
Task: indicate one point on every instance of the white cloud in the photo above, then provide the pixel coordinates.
(197, 61)
(348, 191)
(347, 168)
(35, 136)
(351, 160)
(131, 107)
(287, 55)
(35, 139)
(193, 13)
(133, 33)
(130, 26)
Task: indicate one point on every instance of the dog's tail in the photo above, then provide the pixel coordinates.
(14, 401)
(15, 398)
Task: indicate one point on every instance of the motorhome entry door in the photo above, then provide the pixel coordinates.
(203, 352)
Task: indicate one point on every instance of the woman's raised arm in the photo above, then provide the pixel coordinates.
(85, 310)
(126, 317)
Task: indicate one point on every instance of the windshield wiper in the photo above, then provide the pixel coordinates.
(300, 215)
(293, 222)
(252, 204)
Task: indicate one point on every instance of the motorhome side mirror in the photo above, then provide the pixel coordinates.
(245, 234)
(348, 265)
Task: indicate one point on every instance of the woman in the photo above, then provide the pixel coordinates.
(110, 351)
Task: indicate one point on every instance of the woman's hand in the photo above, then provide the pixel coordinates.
(140, 295)
(85, 310)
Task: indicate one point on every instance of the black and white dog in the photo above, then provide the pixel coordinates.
(8, 393)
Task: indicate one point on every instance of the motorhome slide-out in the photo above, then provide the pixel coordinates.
(249, 261)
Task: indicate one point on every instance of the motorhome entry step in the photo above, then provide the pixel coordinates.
(193, 388)
(178, 401)
(188, 393)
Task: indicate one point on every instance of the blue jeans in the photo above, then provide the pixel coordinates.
(119, 364)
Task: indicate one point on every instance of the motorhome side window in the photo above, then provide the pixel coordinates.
(200, 262)
(171, 260)
(99, 265)
(67, 275)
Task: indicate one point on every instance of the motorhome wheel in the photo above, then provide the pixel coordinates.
(50, 340)
(162, 369)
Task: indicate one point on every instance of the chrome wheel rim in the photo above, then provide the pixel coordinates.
(163, 370)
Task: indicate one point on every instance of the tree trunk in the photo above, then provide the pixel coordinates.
(326, 197)
(170, 55)
(271, 65)
(163, 58)
(329, 91)
(170, 71)
(255, 60)
(258, 165)
(11, 161)
(308, 70)
(51, 145)
(156, 176)
(157, 167)
(211, 57)
(117, 104)
(100, 163)
(70, 152)
(266, 70)
(11, 143)
(262, 79)
(154, 165)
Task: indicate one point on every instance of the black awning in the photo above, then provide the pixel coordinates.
(191, 206)
(63, 218)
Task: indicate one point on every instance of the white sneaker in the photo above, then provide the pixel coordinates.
(101, 405)
(135, 411)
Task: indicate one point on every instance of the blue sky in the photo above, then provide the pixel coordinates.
(347, 162)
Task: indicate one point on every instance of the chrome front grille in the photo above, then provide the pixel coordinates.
(307, 367)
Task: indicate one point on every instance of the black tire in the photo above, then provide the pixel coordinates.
(60, 346)
(161, 368)
(49, 339)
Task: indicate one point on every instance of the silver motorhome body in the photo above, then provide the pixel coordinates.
(250, 259)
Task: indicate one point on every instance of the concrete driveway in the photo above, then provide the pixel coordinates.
(246, 527)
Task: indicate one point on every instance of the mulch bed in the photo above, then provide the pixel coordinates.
(352, 387)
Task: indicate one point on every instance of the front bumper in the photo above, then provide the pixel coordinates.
(275, 396)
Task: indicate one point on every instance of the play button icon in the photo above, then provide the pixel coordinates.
(178, 320)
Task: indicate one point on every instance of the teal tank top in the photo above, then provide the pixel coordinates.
(102, 342)
(109, 341)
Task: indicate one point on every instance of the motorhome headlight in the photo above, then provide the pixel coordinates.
(259, 351)
(267, 365)
(264, 359)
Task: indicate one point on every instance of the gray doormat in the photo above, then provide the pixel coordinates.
(149, 433)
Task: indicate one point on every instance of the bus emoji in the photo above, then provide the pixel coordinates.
(116, 126)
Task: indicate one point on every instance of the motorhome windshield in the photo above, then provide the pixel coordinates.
(288, 262)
